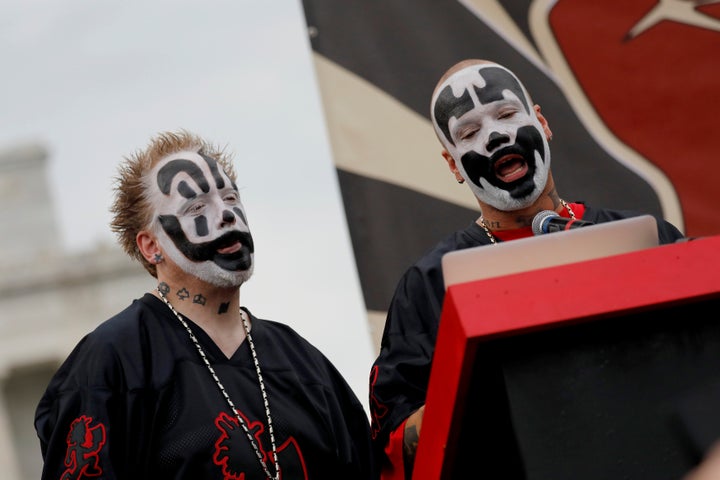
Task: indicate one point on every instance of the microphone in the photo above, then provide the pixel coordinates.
(548, 221)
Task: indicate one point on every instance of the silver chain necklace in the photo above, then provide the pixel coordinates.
(492, 238)
(239, 418)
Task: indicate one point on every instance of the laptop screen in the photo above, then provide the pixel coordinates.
(551, 249)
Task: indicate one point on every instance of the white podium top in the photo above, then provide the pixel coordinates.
(550, 249)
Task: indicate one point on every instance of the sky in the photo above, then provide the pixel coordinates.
(94, 80)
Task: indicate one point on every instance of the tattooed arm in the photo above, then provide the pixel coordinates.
(411, 437)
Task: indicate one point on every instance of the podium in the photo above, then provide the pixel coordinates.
(600, 369)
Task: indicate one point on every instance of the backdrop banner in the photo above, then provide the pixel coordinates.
(629, 88)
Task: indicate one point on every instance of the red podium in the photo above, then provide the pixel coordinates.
(600, 369)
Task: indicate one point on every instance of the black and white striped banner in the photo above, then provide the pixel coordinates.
(629, 87)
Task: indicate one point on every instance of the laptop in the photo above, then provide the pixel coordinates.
(550, 249)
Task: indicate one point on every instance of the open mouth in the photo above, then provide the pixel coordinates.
(235, 247)
(510, 168)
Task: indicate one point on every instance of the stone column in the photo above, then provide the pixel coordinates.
(8, 456)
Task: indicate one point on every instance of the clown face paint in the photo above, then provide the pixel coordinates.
(485, 120)
(199, 219)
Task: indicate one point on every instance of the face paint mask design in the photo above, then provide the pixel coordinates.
(200, 221)
(487, 123)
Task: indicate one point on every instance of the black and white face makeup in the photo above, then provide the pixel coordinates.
(199, 219)
(487, 123)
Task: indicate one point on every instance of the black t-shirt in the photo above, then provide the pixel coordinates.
(134, 400)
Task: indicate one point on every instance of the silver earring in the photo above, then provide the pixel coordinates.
(462, 180)
(158, 258)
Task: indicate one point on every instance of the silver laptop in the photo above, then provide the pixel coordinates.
(550, 249)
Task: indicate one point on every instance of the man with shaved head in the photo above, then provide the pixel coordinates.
(495, 140)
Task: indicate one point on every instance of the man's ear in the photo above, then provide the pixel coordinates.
(453, 167)
(148, 246)
(543, 122)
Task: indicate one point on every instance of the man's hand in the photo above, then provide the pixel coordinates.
(709, 468)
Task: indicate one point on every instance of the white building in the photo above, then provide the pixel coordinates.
(48, 301)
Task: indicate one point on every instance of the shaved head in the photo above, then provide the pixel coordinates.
(485, 119)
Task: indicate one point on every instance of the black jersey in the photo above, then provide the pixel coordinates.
(400, 375)
(134, 400)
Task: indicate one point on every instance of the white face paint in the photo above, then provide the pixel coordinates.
(486, 121)
(199, 219)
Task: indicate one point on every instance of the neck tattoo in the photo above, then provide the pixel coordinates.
(230, 403)
(492, 238)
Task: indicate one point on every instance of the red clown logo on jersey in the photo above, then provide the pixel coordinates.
(233, 436)
(84, 441)
(379, 410)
